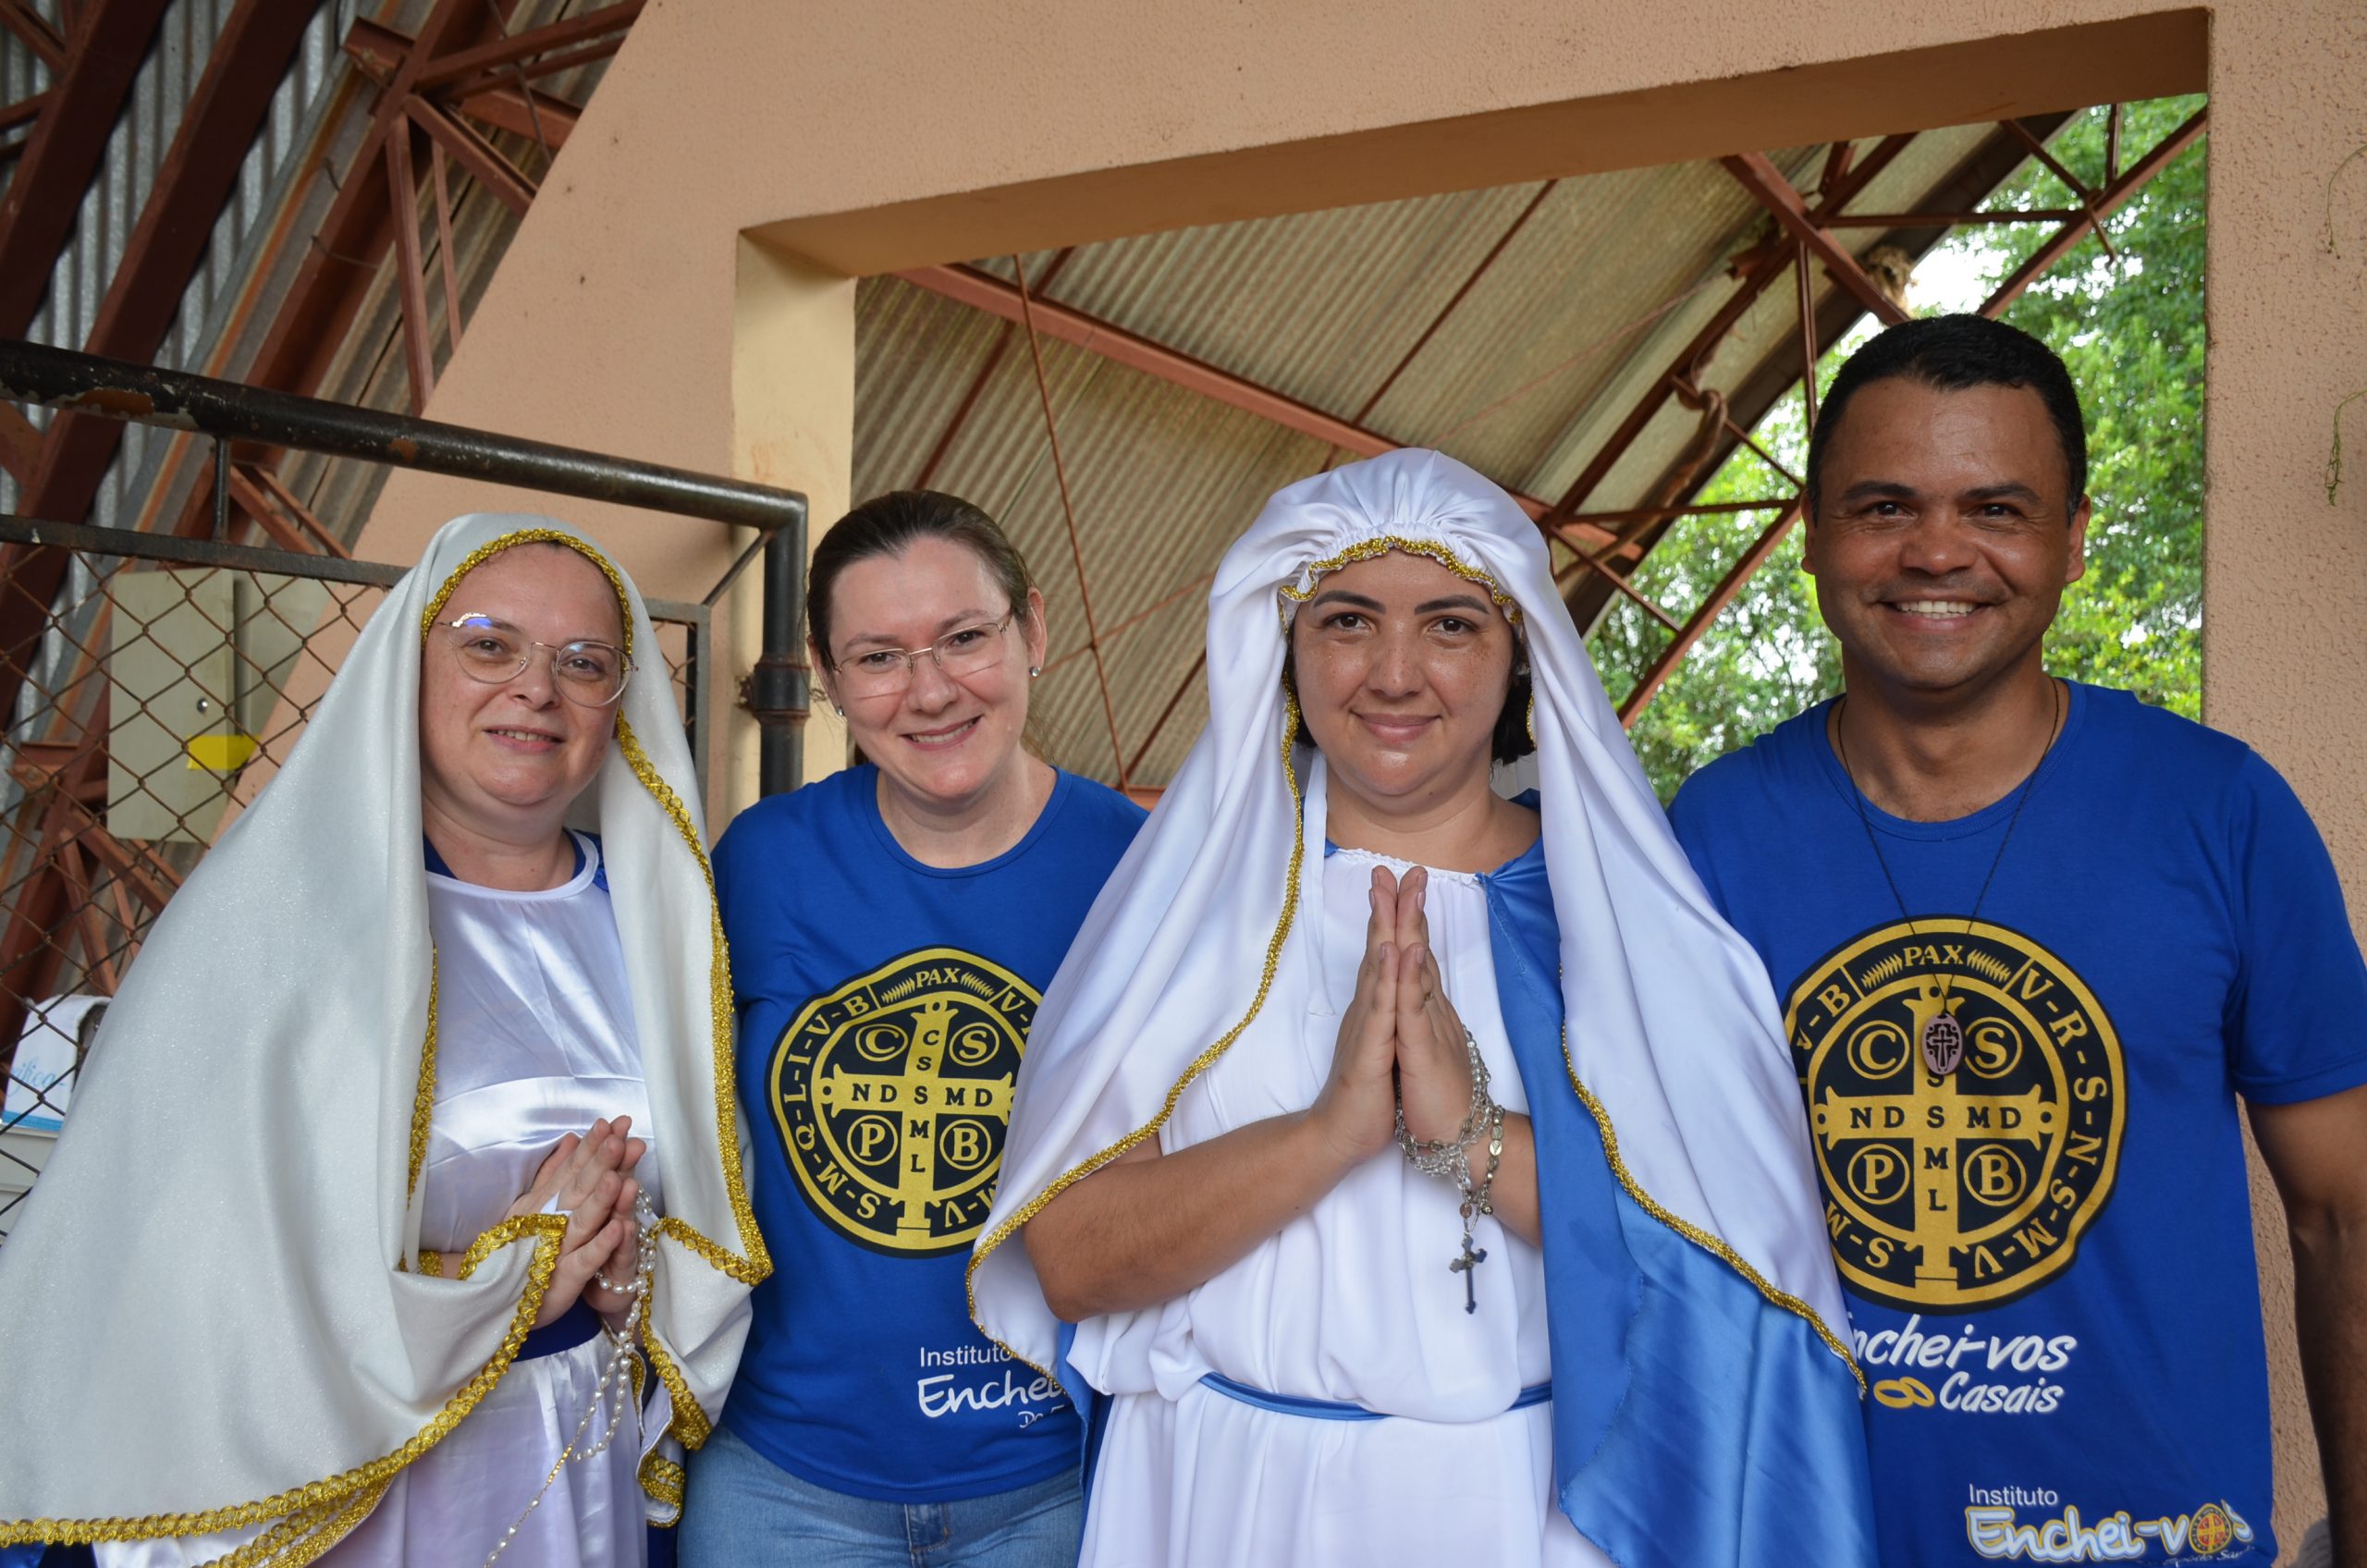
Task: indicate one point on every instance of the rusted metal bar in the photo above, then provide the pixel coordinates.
(24, 109)
(1182, 690)
(1768, 187)
(32, 373)
(2037, 147)
(2105, 202)
(502, 104)
(1720, 597)
(1455, 299)
(276, 490)
(546, 64)
(1807, 336)
(34, 32)
(1658, 514)
(483, 160)
(2112, 145)
(987, 292)
(1837, 158)
(442, 187)
(525, 45)
(1946, 220)
(19, 446)
(978, 383)
(1588, 560)
(410, 279)
(1755, 282)
(45, 197)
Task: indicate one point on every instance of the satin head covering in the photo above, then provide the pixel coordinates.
(1672, 1043)
(211, 1314)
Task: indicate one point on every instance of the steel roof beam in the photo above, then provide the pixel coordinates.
(984, 291)
(608, 21)
(2102, 204)
(38, 209)
(199, 171)
(1772, 191)
(1762, 272)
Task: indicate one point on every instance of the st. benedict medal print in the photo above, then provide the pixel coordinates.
(1966, 1097)
(892, 1095)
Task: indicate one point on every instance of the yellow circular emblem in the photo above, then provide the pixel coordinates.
(1944, 1190)
(892, 1095)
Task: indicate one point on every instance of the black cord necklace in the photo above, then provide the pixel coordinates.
(1942, 1037)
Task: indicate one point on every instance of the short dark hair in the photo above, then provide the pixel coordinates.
(890, 525)
(1508, 743)
(1949, 354)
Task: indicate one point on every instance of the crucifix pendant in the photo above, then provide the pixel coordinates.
(1942, 1044)
(1464, 1266)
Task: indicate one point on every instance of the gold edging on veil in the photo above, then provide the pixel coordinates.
(1207, 1059)
(354, 1493)
(1716, 1246)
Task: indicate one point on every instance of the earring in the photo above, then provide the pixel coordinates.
(1034, 670)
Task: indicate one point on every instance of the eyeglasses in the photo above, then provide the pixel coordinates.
(588, 673)
(880, 672)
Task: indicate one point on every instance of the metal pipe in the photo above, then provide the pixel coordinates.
(775, 692)
(84, 383)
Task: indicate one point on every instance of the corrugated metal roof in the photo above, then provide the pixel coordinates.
(1577, 315)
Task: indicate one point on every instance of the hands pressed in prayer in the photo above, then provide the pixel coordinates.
(587, 1174)
(1399, 1036)
(1433, 1064)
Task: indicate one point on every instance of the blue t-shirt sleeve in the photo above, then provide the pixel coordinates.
(1687, 813)
(2294, 1013)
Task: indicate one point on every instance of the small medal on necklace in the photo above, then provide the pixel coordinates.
(1943, 1043)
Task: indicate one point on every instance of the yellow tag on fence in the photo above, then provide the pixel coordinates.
(221, 754)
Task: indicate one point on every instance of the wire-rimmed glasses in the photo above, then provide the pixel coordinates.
(589, 673)
(968, 650)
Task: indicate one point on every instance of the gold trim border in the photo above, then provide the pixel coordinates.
(1716, 1246)
(365, 1480)
(1200, 1064)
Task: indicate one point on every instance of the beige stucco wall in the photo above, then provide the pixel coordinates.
(632, 315)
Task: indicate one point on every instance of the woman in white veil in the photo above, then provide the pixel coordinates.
(400, 1215)
(1586, 1313)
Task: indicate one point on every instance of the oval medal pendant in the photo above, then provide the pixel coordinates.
(1943, 1043)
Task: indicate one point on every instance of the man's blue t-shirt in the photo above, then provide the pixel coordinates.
(2048, 1250)
(884, 1005)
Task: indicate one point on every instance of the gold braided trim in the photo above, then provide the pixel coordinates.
(431, 1264)
(305, 1537)
(689, 1425)
(1436, 549)
(665, 1481)
(423, 1103)
(754, 1263)
(485, 552)
(364, 1481)
(1714, 1246)
(1200, 1064)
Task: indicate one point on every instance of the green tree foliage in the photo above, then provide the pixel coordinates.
(2131, 326)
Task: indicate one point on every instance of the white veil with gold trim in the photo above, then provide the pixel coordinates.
(209, 1314)
(1671, 1022)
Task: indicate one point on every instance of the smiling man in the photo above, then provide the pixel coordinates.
(2032, 940)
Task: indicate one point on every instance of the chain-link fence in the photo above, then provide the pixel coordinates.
(173, 677)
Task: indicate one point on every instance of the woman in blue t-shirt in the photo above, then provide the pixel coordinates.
(892, 927)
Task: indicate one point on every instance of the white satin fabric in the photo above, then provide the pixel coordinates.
(1199, 938)
(535, 1041)
(210, 1306)
(1354, 1302)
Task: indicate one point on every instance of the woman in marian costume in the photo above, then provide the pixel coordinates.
(1423, 1171)
(411, 1137)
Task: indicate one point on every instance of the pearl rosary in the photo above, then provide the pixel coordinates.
(614, 1389)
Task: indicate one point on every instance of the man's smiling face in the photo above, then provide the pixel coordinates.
(1943, 534)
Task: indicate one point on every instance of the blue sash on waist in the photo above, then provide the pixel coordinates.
(568, 1330)
(1333, 1410)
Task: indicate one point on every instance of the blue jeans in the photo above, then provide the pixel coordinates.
(743, 1511)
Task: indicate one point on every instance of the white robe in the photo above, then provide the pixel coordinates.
(534, 1040)
(1352, 1303)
